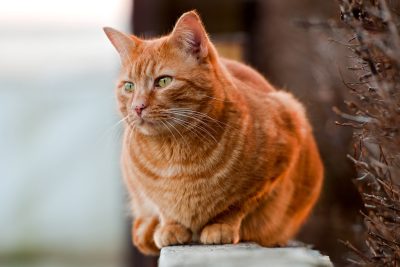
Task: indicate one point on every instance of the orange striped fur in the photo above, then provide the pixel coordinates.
(218, 155)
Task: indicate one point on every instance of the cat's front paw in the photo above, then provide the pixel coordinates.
(142, 233)
(172, 234)
(219, 233)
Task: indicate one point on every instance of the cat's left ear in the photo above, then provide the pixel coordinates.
(189, 34)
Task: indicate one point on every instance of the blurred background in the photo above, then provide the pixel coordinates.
(62, 202)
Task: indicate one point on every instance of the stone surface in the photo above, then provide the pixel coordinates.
(244, 254)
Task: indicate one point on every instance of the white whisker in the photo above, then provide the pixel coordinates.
(199, 126)
(164, 123)
(177, 131)
(192, 129)
(111, 128)
(187, 110)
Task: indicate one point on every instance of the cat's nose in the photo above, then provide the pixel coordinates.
(139, 108)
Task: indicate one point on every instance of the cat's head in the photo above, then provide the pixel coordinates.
(165, 83)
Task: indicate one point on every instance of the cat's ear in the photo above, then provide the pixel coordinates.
(125, 44)
(189, 34)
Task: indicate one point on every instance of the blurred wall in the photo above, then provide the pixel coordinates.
(61, 198)
(307, 62)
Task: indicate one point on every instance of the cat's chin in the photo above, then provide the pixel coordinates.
(149, 128)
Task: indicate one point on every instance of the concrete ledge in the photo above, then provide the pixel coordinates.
(241, 255)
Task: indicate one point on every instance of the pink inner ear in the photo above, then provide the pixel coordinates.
(191, 34)
(198, 36)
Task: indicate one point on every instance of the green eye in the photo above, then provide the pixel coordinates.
(163, 81)
(129, 87)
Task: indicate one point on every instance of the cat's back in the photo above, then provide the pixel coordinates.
(242, 73)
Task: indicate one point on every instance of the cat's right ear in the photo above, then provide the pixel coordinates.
(125, 44)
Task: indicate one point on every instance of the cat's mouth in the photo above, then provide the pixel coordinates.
(144, 121)
(147, 122)
(149, 126)
(152, 124)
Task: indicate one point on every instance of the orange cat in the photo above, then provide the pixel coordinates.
(212, 153)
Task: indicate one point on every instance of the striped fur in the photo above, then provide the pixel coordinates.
(219, 155)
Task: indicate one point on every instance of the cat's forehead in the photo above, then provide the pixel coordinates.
(152, 49)
(153, 58)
